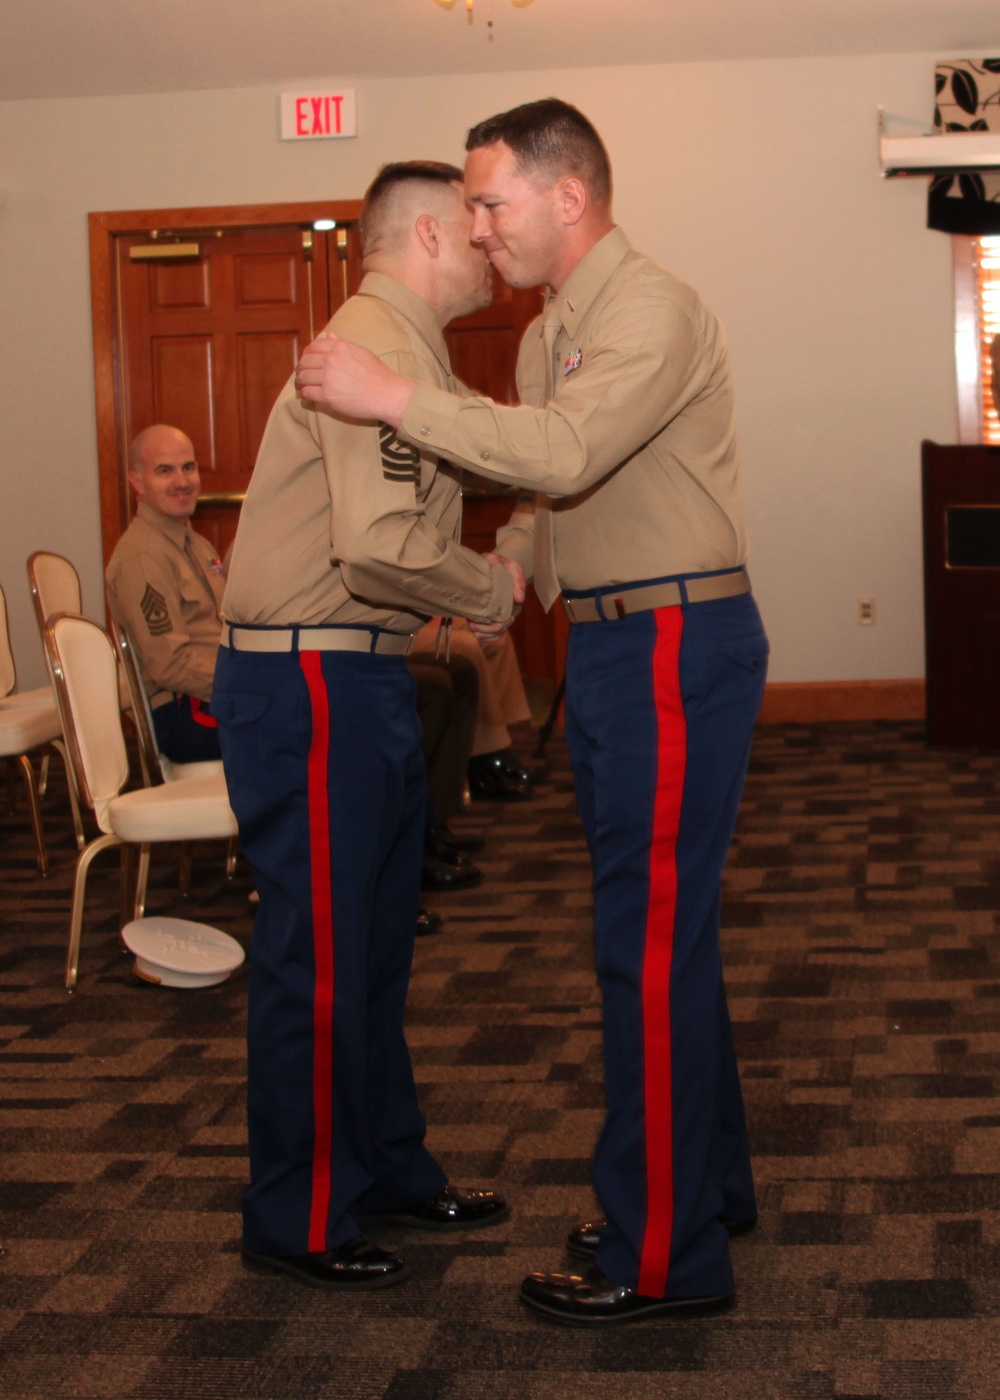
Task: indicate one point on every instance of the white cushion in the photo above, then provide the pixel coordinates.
(195, 810)
(183, 772)
(27, 719)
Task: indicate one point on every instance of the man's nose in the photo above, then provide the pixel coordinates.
(480, 225)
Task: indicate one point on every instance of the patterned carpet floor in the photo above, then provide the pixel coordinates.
(863, 964)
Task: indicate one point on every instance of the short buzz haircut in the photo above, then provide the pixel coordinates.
(397, 173)
(552, 138)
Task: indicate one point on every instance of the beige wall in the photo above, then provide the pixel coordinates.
(758, 181)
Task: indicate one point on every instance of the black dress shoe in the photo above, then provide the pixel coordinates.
(428, 922)
(583, 1239)
(454, 874)
(442, 840)
(510, 763)
(490, 780)
(454, 1208)
(597, 1301)
(356, 1264)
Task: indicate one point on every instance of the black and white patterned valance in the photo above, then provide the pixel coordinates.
(967, 99)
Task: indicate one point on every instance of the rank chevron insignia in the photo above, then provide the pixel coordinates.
(400, 460)
(154, 609)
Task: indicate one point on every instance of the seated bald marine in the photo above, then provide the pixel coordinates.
(165, 584)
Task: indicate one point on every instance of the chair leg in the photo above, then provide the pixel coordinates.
(126, 900)
(43, 775)
(41, 854)
(74, 796)
(184, 879)
(232, 850)
(141, 880)
(76, 909)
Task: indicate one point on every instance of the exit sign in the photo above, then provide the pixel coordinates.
(315, 116)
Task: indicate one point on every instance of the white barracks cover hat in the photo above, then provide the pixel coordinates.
(179, 953)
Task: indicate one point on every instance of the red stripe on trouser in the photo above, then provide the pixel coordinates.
(671, 745)
(200, 717)
(322, 918)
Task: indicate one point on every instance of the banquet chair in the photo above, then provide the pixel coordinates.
(156, 766)
(84, 669)
(29, 720)
(55, 587)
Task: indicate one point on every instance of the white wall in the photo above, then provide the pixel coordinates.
(758, 181)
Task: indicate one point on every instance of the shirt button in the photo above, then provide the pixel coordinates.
(484, 456)
(425, 431)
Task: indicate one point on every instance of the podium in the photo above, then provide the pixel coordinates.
(961, 511)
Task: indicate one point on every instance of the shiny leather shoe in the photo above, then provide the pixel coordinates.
(443, 841)
(510, 763)
(354, 1265)
(453, 874)
(489, 779)
(595, 1300)
(583, 1239)
(428, 922)
(454, 1208)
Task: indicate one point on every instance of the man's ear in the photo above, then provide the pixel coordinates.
(136, 483)
(427, 232)
(573, 199)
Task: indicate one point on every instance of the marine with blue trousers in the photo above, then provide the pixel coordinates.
(348, 540)
(627, 430)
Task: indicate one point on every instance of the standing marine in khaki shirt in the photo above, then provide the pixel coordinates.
(627, 427)
(165, 584)
(348, 540)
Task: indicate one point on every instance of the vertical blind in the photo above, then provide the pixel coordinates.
(987, 263)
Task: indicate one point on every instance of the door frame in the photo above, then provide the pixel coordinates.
(103, 231)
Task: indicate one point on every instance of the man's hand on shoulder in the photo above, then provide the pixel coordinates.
(349, 379)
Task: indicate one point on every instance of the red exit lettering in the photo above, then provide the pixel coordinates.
(318, 116)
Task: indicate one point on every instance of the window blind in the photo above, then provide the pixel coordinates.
(987, 267)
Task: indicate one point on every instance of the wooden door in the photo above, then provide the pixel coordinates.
(204, 337)
(212, 326)
(484, 346)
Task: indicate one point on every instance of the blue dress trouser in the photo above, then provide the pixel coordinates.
(659, 717)
(322, 753)
(186, 731)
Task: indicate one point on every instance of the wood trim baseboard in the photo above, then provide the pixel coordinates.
(816, 702)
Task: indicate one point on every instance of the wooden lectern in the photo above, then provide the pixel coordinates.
(961, 498)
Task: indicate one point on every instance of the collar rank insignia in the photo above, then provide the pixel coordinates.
(574, 362)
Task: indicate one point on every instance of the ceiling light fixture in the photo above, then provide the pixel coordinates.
(450, 5)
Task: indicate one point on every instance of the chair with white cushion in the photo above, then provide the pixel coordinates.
(156, 766)
(29, 722)
(55, 585)
(84, 669)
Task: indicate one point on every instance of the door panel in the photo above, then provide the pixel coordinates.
(210, 339)
(484, 346)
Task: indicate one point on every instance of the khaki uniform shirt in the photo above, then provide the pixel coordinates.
(635, 451)
(343, 522)
(165, 586)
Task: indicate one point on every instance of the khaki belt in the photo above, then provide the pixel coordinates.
(365, 639)
(700, 588)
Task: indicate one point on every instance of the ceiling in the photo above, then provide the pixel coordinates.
(79, 48)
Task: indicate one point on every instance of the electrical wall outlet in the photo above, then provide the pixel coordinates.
(866, 612)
